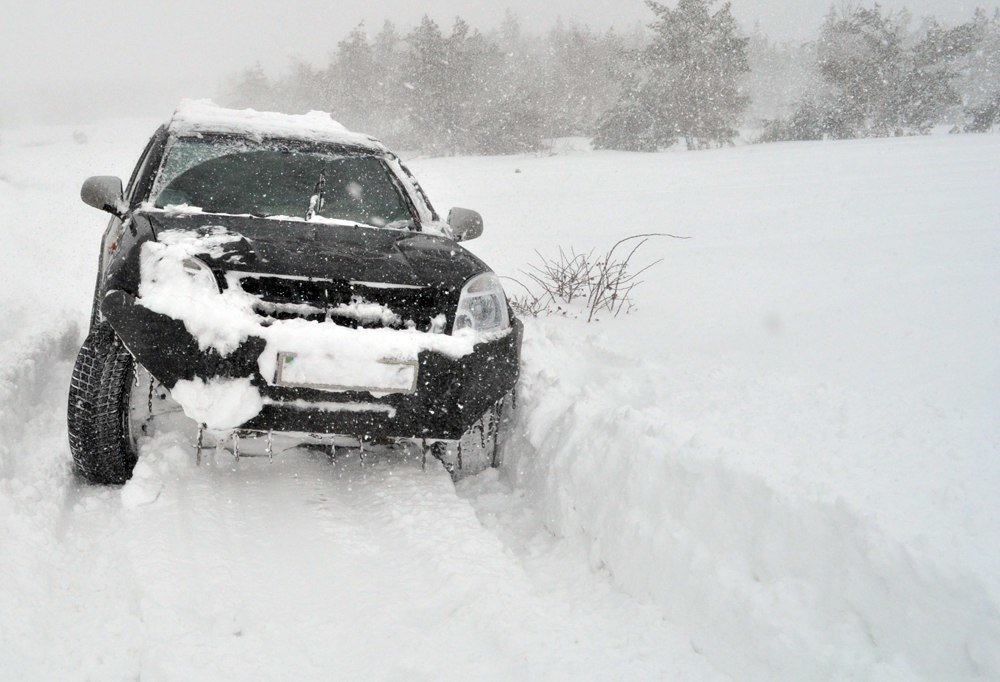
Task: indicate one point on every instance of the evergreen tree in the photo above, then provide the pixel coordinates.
(302, 89)
(426, 79)
(979, 83)
(927, 89)
(689, 85)
(513, 126)
(475, 68)
(510, 39)
(686, 79)
(580, 79)
(453, 83)
(881, 80)
(630, 124)
(251, 88)
(860, 55)
(781, 75)
(698, 59)
(512, 120)
(878, 78)
(350, 77)
(387, 94)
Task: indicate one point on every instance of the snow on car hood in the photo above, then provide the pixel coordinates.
(327, 250)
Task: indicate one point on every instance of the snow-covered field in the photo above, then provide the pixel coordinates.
(784, 465)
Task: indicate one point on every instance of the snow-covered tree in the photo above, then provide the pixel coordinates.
(347, 81)
(630, 124)
(979, 84)
(450, 79)
(878, 78)
(579, 82)
(387, 92)
(882, 85)
(781, 74)
(689, 85)
(426, 78)
(251, 88)
(684, 78)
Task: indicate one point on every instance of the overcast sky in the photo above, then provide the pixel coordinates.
(81, 60)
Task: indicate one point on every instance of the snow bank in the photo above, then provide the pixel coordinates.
(34, 374)
(790, 451)
(165, 458)
(811, 378)
(771, 586)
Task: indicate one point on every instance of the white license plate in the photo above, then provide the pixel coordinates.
(328, 373)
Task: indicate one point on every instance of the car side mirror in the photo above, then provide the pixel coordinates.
(465, 224)
(104, 192)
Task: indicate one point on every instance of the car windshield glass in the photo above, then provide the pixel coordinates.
(272, 179)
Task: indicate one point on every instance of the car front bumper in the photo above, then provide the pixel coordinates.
(450, 396)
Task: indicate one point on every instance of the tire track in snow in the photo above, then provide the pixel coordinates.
(301, 568)
(47, 586)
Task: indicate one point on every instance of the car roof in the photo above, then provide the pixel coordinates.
(194, 117)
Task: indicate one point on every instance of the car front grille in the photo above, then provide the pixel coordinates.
(351, 304)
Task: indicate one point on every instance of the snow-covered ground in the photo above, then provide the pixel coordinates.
(784, 465)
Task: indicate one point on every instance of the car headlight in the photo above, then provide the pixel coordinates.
(200, 273)
(482, 306)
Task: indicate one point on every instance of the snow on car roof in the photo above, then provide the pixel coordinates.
(194, 116)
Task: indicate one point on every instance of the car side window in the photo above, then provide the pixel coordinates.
(142, 173)
(412, 189)
(113, 232)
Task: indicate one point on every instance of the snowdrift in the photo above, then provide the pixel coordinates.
(784, 465)
(301, 568)
(770, 586)
(32, 383)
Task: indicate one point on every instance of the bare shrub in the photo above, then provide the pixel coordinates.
(584, 284)
(529, 304)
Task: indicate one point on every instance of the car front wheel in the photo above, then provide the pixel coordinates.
(101, 390)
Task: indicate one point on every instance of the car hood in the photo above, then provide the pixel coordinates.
(326, 251)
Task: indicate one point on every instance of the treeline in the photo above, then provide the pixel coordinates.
(690, 76)
(456, 91)
(877, 77)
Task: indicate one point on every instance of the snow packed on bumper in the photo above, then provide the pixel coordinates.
(218, 403)
(170, 284)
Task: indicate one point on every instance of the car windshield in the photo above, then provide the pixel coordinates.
(273, 178)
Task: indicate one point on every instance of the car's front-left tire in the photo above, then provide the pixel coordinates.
(98, 412)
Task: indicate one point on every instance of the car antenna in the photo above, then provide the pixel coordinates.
(316, 200)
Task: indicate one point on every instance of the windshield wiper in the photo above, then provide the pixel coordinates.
(316, 200)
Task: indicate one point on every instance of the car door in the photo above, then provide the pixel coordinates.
(138, 184)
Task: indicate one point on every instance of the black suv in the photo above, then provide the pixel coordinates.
(269, 273)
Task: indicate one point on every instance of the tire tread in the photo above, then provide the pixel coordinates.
(97, 407)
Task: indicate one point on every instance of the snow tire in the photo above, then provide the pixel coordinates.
(98, 410)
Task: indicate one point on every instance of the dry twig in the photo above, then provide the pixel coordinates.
(604, 282)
